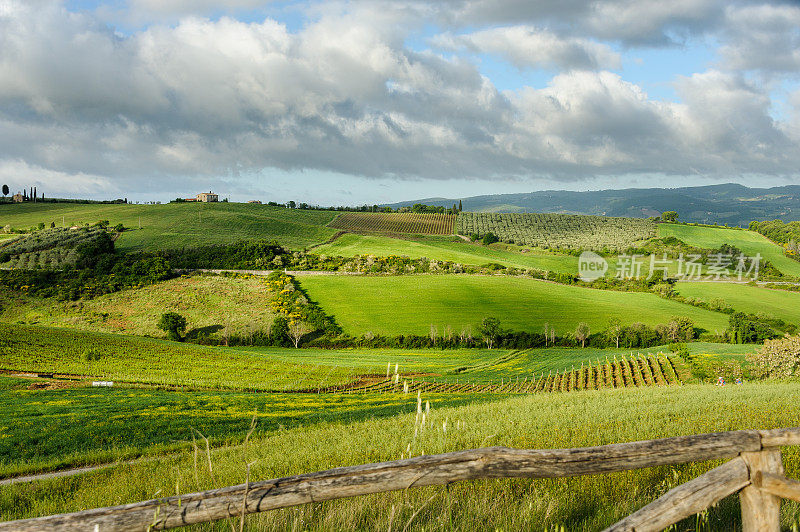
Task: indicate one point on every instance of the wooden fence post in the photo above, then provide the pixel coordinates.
(760, 509)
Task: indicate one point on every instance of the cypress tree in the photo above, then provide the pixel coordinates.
(459, 205)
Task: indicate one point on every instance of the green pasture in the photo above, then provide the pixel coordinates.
(746, 298)
(31, 348)
(749, 242)
(216, 305)
(448, 249)
(179, 225)
(539, 421)
(46, 429)
(411, 304)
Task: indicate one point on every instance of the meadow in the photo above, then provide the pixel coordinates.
(537, 421)
(177, 225)
(411, 304)
(48, 426)
(747, 298)
(749, 242)
(449, 249)
(30, 348)
(211, 304)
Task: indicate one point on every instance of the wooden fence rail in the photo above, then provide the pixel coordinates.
(755, 471)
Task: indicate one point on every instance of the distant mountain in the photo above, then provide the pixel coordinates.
(729, 203)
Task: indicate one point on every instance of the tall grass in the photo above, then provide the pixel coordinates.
(539, 421)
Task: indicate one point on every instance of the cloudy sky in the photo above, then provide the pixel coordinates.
(367, 101)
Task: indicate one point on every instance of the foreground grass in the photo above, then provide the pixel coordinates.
(543, 421)
(749, 242)
(745, 298)
(144, 360)
(46, 429)
(411, 304)
(178, 225)
(212, 304)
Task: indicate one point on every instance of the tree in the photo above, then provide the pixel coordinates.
(173, 324)
(279, 332)
(489, 238)
(459, 205)
(777, 358)
(669, 216)
(614, 330)
(490, 330)
(5, 190)
(582, 332)
(298, 329)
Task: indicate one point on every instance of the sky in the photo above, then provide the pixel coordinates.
(362, 102)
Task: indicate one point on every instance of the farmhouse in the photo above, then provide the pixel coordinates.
(208, 197)
(18, 198)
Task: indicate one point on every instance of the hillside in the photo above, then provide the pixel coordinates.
(749, 242)
(177, 225)
(728, 203)
(411, 304)
(211, 305)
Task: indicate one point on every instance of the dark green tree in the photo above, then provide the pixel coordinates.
(5, 190)
(459, 205)
(669, 216)
(489, 238)
(173, 324)
(279, 332)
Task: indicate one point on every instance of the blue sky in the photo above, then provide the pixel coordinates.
(369, 102)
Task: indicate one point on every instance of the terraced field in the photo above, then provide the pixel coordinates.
(749, 242)
(411, 304)
(178, 225)
(422, 224)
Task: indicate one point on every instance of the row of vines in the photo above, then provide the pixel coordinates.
(422, 224)
(559, 231)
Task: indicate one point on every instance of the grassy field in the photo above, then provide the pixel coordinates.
(179, 225)
(410, 304)
(209, 303)
(573, 420)
(55, 426)
(150, 361)
(751, 299)
(448, 249)
(749, 242)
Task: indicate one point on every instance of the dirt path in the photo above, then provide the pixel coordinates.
(55, 474)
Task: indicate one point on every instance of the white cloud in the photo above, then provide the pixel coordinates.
(212, 100)
(529, 47)
(762, 37)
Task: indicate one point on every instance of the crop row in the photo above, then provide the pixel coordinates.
(559, 231)
(428, 224)
(635, 371)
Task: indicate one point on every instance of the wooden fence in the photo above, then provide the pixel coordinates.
(755, 471)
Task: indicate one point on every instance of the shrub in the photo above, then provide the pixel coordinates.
(777, 358)
(173, 324)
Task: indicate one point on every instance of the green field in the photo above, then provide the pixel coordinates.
(749, 242)
(179, 225)
(538, 421)
(457, 365)
(750, 299)
(411, 304)
(448, 249)
(46, 429)
(213, 304)
(144, 360)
